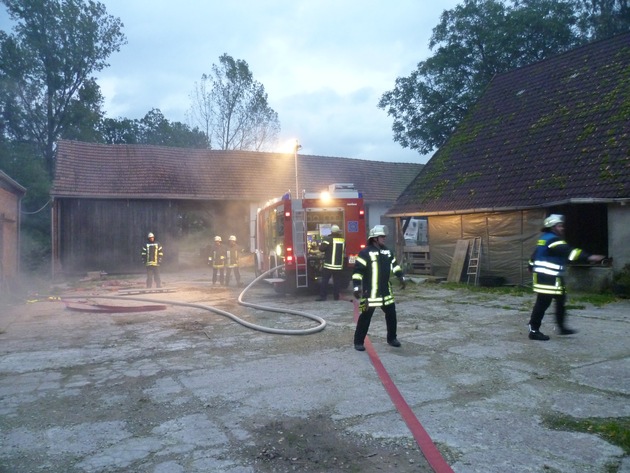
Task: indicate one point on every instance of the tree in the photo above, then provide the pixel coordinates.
(48, 61)
(473, 42)
(153, 129)
(232, 108)
(601, 19)
(84, 114)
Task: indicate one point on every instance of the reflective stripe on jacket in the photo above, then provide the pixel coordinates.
(232, 257)
(218, 257)
(548, 263)
(152, 254)
(372, 270)
(334, 252)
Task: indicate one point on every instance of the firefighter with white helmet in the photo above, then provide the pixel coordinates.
(548, 265)
(152, 257)
(333, 246)
(232, 257)
(217, 260)
(370, 278)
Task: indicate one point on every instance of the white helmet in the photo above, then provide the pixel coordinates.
(335, 229)
(553, 220)
(378, 230)
(217, 238)
(150, 235)
(232, 238)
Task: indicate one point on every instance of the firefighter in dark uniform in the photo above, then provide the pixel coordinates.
(152, 257)
(372, 270)
(334, 248)
(548, 266)
(217, 260)
(232, 255)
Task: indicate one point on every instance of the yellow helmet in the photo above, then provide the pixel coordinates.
(232, 238)
(217, 238)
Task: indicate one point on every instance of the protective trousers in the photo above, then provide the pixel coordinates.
(336, 278)
(363, 324)
(543, 301)
(228, 275)
(153, 273)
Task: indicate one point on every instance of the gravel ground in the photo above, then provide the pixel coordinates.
(189, 390)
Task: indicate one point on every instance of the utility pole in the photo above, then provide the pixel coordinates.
(298, 146)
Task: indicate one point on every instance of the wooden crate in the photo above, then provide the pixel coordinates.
(417, 259)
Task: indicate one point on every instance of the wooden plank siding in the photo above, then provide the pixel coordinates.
(107, 234)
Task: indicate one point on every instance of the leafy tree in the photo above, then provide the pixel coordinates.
(22, 162)
(84, 114)
(153, 129)
(472, 43)
(48, 61)
(120, 131)
(603, 18)
(232, 108)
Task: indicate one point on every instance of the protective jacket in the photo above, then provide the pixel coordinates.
(548, 263)
(333, 247)
(218, 256)
(372, 270)
(232, 257)
(152, 254)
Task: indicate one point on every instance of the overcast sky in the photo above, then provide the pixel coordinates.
(324, 63)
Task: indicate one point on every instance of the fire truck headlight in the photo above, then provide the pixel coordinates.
(279, 250)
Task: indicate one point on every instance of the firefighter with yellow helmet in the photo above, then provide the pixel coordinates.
(152, 257)
(372, 270)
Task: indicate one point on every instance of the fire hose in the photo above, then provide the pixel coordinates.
(277, 331)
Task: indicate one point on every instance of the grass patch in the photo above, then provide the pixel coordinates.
(578, 300)
(507, 290)
(595, 299)
(614, 430)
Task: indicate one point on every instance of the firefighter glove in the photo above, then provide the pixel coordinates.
(357, 293)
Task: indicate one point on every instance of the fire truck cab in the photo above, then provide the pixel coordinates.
(289, 231)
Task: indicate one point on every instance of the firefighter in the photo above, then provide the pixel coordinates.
(548, 266)
(217, 260)
(152, 257)
(232, 262)
(372, 270)
(333, 247)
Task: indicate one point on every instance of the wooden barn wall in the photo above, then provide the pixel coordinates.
(107, 235)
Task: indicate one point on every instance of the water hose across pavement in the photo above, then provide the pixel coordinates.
(277, 331)
(428, 448)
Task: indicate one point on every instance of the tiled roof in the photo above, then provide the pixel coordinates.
(91, 170)
(557, 131)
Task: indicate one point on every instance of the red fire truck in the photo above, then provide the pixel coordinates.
(289, 230)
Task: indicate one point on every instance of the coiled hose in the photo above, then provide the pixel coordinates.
(277, 331)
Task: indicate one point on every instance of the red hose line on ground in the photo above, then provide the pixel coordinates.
(428, 448)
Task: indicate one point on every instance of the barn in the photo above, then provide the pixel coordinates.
(552, 137)
(106, 198)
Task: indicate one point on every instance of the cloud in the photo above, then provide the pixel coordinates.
(324, 64)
